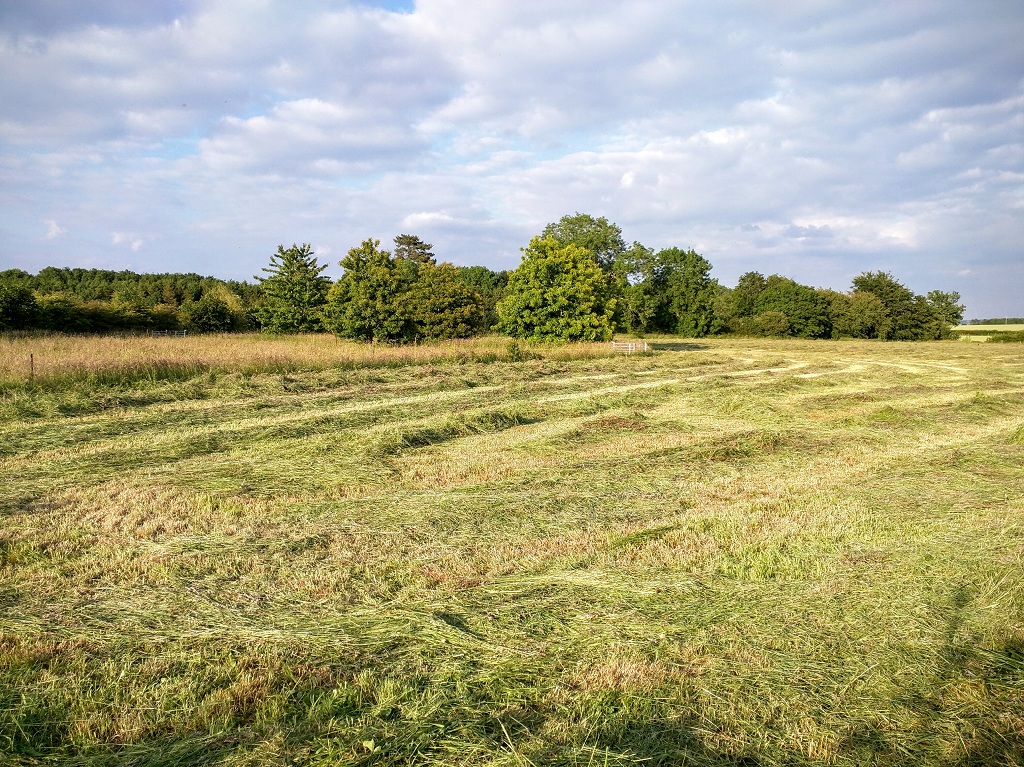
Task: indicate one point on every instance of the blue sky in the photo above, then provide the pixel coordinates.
(815, 140)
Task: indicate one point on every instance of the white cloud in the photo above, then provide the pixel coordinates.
(424, 218)
(53, 229)
(308, 137)
(807, 138)
(133, 242)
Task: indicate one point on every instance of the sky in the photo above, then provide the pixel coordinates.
(807, 138)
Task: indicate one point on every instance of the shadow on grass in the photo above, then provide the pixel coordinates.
(664, 743)
(675, 346)
(170, 752)
(947, 732)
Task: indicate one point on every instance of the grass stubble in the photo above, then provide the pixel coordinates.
(725, 552)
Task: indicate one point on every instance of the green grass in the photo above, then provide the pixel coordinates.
(725, 552)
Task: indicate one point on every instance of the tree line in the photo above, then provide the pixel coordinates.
(100, 301)
(998, 321)
(578, 281)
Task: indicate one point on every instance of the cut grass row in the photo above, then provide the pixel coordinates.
(757, 552)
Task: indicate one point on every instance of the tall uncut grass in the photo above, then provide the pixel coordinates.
(725, 552)
(59, 358)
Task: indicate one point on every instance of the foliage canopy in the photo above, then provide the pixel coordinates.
(365, 303)
(295, 292)
(601, 238)
(440, 305)
(558, 292)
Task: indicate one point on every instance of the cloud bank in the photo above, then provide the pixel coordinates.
(814, 140)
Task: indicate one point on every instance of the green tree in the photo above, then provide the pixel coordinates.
(912, 317)
(727, 320)
(62, 312)
(670, 291)
(366, 303)
(17, 277)
(642, 308)
(481, 279)
(292, 297)
(806, 310)
(221, 291)
(836, 306)
(621, 263)
(946, 307)
(599, 236)
(18, 307)
(689, 292)
(165, 317)
(440, 305)
(557, 292)
(411, 247)
(863, 316)
(129, 308)
(639, 302)
(489, 285)
(746, 292)
(772, 323)
(210, 314)
(905, 316)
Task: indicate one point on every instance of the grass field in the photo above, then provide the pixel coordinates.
(1000, 333)
(727, 552)
(993, 328)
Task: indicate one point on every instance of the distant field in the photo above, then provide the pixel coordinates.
(742, 552)
(992, 328)
(1003, 333)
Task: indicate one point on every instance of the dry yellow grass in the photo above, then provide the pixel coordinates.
(57, 355)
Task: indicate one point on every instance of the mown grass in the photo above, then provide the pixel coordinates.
(725, 552)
